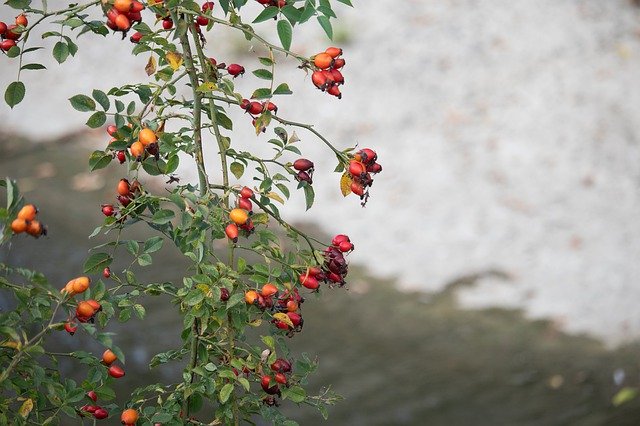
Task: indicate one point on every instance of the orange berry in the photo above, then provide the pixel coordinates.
(137, 150)
(19, 225)
(108, 357)
(251, 296)
(268, 290)
(80, 284)
(292, 306)
(147, 137)
(122, 22)
(34, 228)
(85, 310)
(124, 188)
(122, 6)
(22, 20)
(129, 416)
(334, 52)
(322, 60)
(238, 216)
(28, 212)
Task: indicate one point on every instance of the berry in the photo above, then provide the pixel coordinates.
(281, 378)
(270, 106)
(356, 168)
(112, 130)
(232, 232)
(268, 290)
(21, 20)
(335, 91)
(116, 371)
(224, 294)
(246, 192)
(137, 150)
(304, 177)
(107, 209)
(108, 357)
(121, 156)
(345, 246)
(357, 189)
(265, 381)
(70, 327)
(10, 34)
(92, 396)
(309, 281)
(319, 80)
(302, 164)
(245, 204)
(7, 44)
(202, 21)
(3, 28)
(337, 77)
(28, 212)
(136, 6)
(18, 226)
(334, 52)
(338, 63)
(292, 306)
(167, 23)
(129, 416)
(147, 137)
(84, 310)
(281, 365)
(208, 6)
(251, 297)
(124, 188)
(322, 60)
(122, 6)
(255, 108)
(135, 38)
(235, 69)
(122, 22)
(238, 216)
(106, 272)
(100, 413)
(36, 229)
(296, 319)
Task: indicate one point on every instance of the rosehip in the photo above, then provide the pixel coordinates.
(100, 413)
(251, 296)
(356, 168)
(238, 216)
(3, 28)
(106, 272)
(167, 23)
(374, 168)
(304, 177)
(208, 6)
(134, 16)
(281, 365)
(232, 232)
(281, 378)
(112, 130)
(292, 306)
(246, 192)
(255, 108)
(357, 189)
(245, 204)
(296, 319)
(245, 104)
(268, 290)
(108, 210)
(335, 91)
(202, 21)
(270, 106)
(338, 63)
(21, 20)
(124, 188)
(334, 52)
(338, 239)
(129, 417)
(302, 164)
(265, 381)
(122, 6)
(10, 34)
(121, 156)
(337, 77)
(224, 294)
(116, 372)
(135, 38)
(122, 22)
(97, 307)
(235, 69)
(309, 282)
(7, 44)
(92, 395)
(368, 155)
(70, 327)
(136, 6)
(89, 408)
(319, 79)
(322, 60)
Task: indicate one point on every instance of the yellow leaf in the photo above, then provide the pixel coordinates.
(260, 218)
(256, 323)
(26, 408)
(345, 184)
(207, 87)
(293, 138)
(280, 316)
(174, 59)
(11, 344)
(276, 197)
(150, 68)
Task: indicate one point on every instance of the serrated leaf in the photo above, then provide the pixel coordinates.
(18, 4)
(162, 216)
(237, 169)
(309, 195)
(99, 160)
(174, 59)
(265, 61)
(225, 392)
(291, 13)
(285, 32)
(266, 14)
(263, 74)
(97, 119)
(151, 66)
(60, 52)
(295, 394)
(282, 89)
(153, 244)
(234, 300)
(97, 262)
(345, 184)
(145, 259)
(82, 103)
(13, 52)
(326, 26)
(15, 93)
(260, 218)
(262, 93)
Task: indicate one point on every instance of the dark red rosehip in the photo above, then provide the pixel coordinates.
(92, 395)
(246, 192)
(335, 91)
(281, 365)
(208, 6)
(124, 200)
(135, 38)
(265, 381)
(202, 21)
(235, 69)
(100, 413)
(304, 177)
(11, 34)
(167, 23)
(303, 164)
(374, 168)
(357, 189)
(337, 77)
(3, 28)
(134, 16)
(245, 104)
(255, 108)
(121, 156)
(108, 210)
(224, 294)
(270, 106)
(368, 156)
(89, 408)
(296, 319)
(338, 63)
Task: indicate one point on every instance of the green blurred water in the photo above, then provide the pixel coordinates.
(397, 358)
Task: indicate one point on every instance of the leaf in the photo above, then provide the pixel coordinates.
(624, 395)
(162, 216)
(263, 74)
(97, 119)
(276, 197)
(281, 316)
(174, 59)
(225, 392)
(309, 195)
(82, 103)
(291, 13)
(234, 300)
(151, 66)
(60, 52)
(13, 52)
(207, 87)
(265, 61)
(99, 160)
(326, 26)
(347, 2)
(14, 93)
(285, 32)
(345, 184)
(262, 93)
(269, 342)
(25, 408)
(18, 4)
(96, 262)
(282, 89)
(33, 67)
(153, 244)
(295, 394)
(266, 14)
(237, 169)
(101, 98)
(139, 310)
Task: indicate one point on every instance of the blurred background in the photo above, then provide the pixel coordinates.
(496, 275)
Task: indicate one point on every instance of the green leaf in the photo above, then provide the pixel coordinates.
(18, 4)
(99, 160)
(82, 103)
(139, 310)
(163, 216)
(97, 119)
(624, 395)
(237, 169)
(291, 13)
(266, 61)
(33, 67)
(285, 32)
(133, 247)
(269, 342)
(234, 300)
(266, 14)
(172, 164)
(326, 26)
(263, 74)
(347, 2)
(194, 297)
(282, 89)
(96, 262)
(309, 195)
(60, 52)
(262, 93)
(153, 244)
(14, 93)
(101, 98)
(13, 52)
(225, 392)
(294, 393)
(145, 259)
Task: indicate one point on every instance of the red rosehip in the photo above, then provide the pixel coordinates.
(70, 327)
(245, 104)
(255, 108)
(100, 413)
(121, 156)
(338, 63)
(304, 177)
(106, 272)
(135, 37)
(136, 6)
(295, 318)
(232, 232)
(335, 91)
(235, 69)
(202, 21)
(281, 378)
(338, 239)
(334, 52)
(357, 189)
(302, 164)
(10, 34)
(208, 6)
(265, 381)
(319, 79)
(270, 106)
(224, 294)
(309, 281)
(5, 45)
(246, 192)
(112, 130)
(167, 23)
(356, 168)
(374, 168)
(92, 395)
(21, 20)
(337, 77)
(116, 371)
(345, 246)
(245, 204)
(3, 28)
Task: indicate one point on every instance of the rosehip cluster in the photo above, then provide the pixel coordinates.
(279, 3)
(126, 193)
(86, 310)
(26, 222)
(95, 410)
(9, 34)
(287, 318)
(360, 169)
(240, 216)
(108, 358)
(122, 14)
(305, 170)
(335, 267)
(271, 383)
(327, 77)
(255, 108)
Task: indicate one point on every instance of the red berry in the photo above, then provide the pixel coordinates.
(116, 371)
(21, 20)
(208, 6)
(246, 192)
(235, 69)
(136, 6)
(7, 44)
(356, 168)
(92, 396)
(245, 204)
(345, 246)
(232, 232)
(357, 189)
(374, 168)
(224, 294)
(112, 130)
(295, 318)
(309, 281)
(70, 327)
(10, 34)
(134, 16)
(281, 378)
(337, 77)
(265, 381)
(304, 177)
(270, 106)
(338, 63)
(202, 21)
(3, 28)
(335, 91)
(255, 108)
(302, 164)
(338, 239)
(106, 272)
(135, 38)
(167, 23)
(334, 52)
(121, 156)
(281, 365)
(319, 80)
(245, 104)
(100, 414)
(89, 408)
(368, 156)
